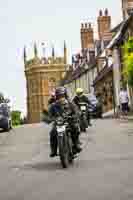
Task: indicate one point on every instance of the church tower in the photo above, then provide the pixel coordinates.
(127, 8)
(41, 79)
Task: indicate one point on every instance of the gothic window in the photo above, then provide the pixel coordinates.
(52, 84)
(31, 86)
(34, 86)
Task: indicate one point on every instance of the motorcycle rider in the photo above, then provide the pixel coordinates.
(81, 97)
(63, 105)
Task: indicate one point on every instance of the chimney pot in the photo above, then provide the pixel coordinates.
(89, 25)
(85, 25)
(82, 25)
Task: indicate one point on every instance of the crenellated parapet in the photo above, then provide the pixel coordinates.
(36, 60)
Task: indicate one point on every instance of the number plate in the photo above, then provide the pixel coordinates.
(83, 108)
(61, 129)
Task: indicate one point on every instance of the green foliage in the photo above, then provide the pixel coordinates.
(128, 61)
(113, 34)
(16, 118)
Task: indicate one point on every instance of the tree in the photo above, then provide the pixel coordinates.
(16, 117)
(128, 61)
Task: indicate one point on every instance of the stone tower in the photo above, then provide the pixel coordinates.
(87, 36)
(104, 25)
(42, 77)
(127, 8)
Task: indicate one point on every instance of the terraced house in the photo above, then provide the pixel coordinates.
(99, 66)
(110, 77)
(86, 64)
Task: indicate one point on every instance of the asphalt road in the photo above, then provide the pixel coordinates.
(103, 171)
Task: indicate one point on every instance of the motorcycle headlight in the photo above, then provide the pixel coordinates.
(59, 123)
(83, 108)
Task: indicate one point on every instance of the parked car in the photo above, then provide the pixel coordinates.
(5, 117)
(96, 106)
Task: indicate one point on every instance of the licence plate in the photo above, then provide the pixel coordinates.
(61, 129)
(83, 108)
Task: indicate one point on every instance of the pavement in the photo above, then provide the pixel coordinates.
(110, 114)
(103, 171)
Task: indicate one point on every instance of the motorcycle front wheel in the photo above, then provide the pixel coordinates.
(63, 151)
(83, 124)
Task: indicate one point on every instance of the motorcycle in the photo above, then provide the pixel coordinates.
(65, 144)
(83, 116)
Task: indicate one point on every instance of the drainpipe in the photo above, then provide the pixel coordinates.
(114, 105)
(116, 75)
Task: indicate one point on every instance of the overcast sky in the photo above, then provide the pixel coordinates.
(52, 21)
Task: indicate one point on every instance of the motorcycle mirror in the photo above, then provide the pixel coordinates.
(45, 117)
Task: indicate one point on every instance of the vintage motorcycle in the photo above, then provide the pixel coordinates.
(83, 116)
(65, 145)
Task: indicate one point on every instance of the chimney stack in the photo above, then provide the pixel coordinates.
(127, 8)
(87, 36)
(104, 25)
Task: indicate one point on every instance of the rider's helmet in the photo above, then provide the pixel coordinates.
(60, 92)
(79, 91)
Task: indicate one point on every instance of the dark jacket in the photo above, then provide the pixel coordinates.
(51, 100)
(78, 99)
(57, 109)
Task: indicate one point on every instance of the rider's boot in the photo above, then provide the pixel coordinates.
(53, 150)
(53, 145)
(53, 154)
